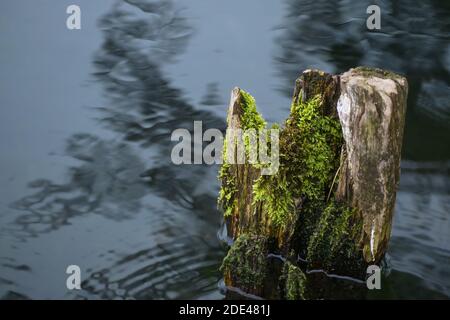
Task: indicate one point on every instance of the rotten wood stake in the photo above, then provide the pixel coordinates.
(329, 208)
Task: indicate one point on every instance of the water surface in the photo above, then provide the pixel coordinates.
(86, 119)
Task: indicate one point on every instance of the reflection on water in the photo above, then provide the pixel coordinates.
(212, 95)
(107, 183)
(421, 240)
(120, 179)
(141, 227)
(182, 268)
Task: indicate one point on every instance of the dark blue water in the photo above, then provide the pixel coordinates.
(86, 118)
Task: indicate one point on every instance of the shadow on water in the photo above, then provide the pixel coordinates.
(119, 178)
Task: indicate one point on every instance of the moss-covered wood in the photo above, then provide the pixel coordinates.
(304, 223)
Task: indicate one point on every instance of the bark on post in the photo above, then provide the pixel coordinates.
(329, 207)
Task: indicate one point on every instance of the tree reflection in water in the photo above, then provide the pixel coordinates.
(119, 178)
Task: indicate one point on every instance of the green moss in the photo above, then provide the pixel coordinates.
(227, 194)
(294, 282)
(333, 242)
(246, 261)
(310, 148)
(328, 235)
(309, 157)
(273, 191)
(250, 118)
(370, 71)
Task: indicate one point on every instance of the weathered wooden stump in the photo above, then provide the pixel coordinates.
(328, 209)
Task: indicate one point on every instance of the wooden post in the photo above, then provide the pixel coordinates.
(372, 108)
(328, 209)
